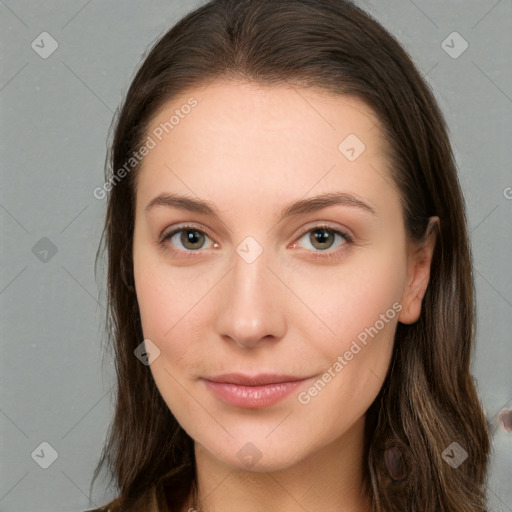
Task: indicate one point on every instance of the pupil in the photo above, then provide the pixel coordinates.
(321, 236)
(191, 237)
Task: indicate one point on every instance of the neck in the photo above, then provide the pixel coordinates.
(329, 479)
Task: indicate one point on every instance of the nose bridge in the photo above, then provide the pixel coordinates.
(250, 308)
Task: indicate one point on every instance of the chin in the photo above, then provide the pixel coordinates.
(257, 453)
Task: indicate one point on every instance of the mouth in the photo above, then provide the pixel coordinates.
(253, 392)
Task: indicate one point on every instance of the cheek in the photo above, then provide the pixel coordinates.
(351, 298)
(161, 296)
(166, 311)
(153, 297)
(356, 365)
(174, 308)
(360, 306)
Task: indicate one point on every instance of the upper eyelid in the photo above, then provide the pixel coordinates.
(325, 225)
(174, 230)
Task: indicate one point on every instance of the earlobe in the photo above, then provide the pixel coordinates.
(418, 274)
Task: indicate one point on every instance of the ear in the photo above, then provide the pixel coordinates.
(419, 260)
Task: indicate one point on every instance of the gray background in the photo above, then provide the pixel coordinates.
(56, 115)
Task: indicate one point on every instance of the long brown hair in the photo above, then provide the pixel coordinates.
(428, 400)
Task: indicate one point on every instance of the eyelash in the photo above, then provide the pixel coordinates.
(325, 255)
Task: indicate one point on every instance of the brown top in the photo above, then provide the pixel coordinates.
(149, 505)
(152, 501)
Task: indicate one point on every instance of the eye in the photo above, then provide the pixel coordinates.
(190, 238)
(323, 238)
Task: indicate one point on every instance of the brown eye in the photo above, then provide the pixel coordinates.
(325, 243)
(192, 238)
(185, 240)
(322, 238)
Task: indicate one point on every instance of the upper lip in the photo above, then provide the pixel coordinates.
(261, 379)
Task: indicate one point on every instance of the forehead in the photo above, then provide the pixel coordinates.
(243, 139)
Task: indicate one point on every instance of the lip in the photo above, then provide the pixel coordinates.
(253, 392)
(261, 379)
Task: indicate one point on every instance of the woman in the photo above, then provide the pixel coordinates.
(289, 274)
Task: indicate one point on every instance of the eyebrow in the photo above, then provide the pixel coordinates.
(301, 206)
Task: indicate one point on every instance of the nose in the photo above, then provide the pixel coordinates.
(252, 304)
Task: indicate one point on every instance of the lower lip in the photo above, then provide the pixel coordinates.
(252, 397)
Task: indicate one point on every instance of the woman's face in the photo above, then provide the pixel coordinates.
(273, 281)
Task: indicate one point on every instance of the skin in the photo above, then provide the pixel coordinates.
(251, 150)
